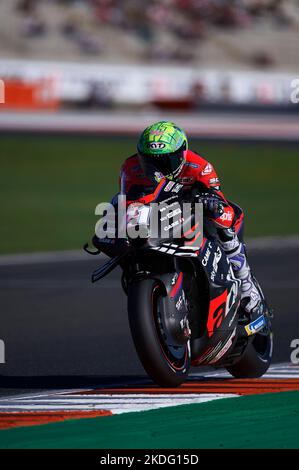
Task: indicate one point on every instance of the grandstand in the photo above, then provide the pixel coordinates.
(230, 33)
(149, 54)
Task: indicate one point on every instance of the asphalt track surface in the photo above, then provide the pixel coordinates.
(62, 331)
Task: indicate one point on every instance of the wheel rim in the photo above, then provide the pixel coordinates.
(177, 357)
(263, 345)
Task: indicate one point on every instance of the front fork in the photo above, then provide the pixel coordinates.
(174, 305)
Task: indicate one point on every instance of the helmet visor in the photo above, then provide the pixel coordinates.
(167, 164)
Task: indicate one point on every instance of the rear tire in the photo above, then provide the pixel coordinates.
(256, 359)
(258, 355)
(155, 356)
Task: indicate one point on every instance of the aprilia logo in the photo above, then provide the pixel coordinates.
(207, 170)
(226, 216)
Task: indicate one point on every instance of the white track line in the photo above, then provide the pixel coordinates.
(282, 370)
(68, 400)
(260, 243)
(116, 403)
(45, 257)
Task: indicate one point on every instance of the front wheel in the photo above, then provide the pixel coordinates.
(167, 364)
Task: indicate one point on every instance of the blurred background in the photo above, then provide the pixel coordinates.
(160, 53)
(104, 69)
(82, 79)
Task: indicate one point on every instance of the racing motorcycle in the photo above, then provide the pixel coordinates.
(184, 303)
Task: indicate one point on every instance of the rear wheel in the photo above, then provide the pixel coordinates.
(166, 363)
(258, 355)
(256, 359)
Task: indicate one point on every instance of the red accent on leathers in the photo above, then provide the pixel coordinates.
(195, 169)
(216, 312)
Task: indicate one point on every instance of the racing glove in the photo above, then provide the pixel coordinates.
(212, 206)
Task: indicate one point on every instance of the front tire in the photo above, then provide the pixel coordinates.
(167, 365)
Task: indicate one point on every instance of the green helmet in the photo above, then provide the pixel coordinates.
(161, 149)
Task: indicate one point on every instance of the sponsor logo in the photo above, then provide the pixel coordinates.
(214, 181)
(158, 176)
(256, 325)
(217, 257)
(156, 145)
(193, 165)
(207, 169)
(180, 302)
(173, 187)
(177, 188)
(216, 313)
(174, 224)
(231, 299)
(174, 279)
(187, 179)
(226, 216)
(170, 215)
(169, 186)
(206, 256)
(170, 206)
(110, 241)
(184, 324)
(233, 293)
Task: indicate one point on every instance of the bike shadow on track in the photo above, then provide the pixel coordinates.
(56, 382)
(75, 381)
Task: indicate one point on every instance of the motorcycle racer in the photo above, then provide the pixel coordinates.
(162, 152)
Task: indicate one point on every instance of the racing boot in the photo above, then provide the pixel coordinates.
(250, 296)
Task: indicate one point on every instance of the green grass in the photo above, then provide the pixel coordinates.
(267, 421)
(50, 186)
